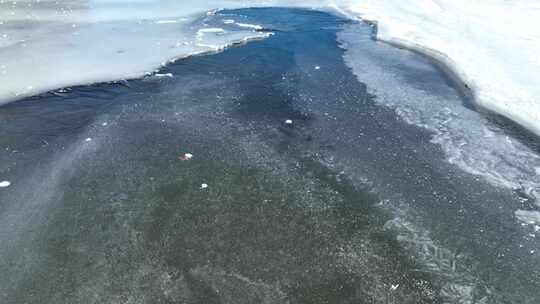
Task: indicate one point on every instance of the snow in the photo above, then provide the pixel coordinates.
(5, 184)
(41, 50)
(492, 45)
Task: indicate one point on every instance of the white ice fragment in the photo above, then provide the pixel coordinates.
(251, 26)
(164, 75)
(288, 122)
(317, 67)
(394, 287)
(204, 186)
(88, 139)
(5, 184)
(104, 124)
(228, 21)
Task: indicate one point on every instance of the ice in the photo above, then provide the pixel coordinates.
(251, 26)
(163, 75)
(46, 45)
(492, 45)
(5, 184)
(528, 217)
(468, 139)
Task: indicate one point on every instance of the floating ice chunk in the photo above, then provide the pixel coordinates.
(394, 287)
(5, 184)
(88, 139)
(164, 75)
(228, 21)
(251, 26)
(288, 122)
(204, 186)
(317, 67)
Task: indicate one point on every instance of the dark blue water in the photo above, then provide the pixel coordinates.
(349, 204)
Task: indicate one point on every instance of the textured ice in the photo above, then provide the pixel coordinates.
(468, 139)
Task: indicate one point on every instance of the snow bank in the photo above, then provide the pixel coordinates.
(48, 44)
(493, 45)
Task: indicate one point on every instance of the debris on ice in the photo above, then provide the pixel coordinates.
(5, 184)
(186, 156)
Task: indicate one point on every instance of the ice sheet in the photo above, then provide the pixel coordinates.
(46, 45)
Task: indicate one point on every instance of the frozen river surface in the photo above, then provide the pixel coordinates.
(293, 169)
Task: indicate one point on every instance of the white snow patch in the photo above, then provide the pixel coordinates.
(493, 45)
(5, 184)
